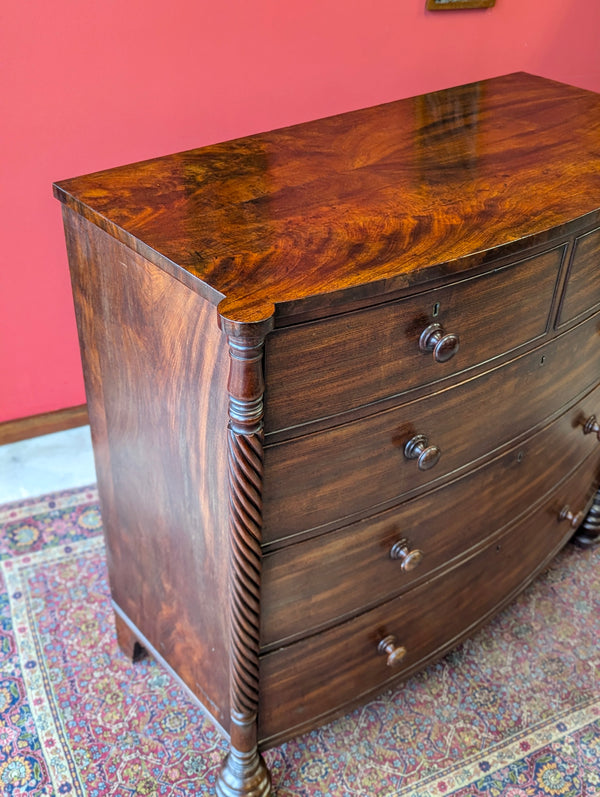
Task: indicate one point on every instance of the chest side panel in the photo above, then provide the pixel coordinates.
(156, 373)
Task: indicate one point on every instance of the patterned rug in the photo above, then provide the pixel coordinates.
(515, 711)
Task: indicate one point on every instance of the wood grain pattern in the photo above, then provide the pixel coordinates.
(305, 586)
(341, 667)
(363, 203)
(156, 372)
(245, 480)
(45, 423)
(582, 292)
(450, 5)
(318, 479)
(374, 353)
(250, 552)
(244, 771)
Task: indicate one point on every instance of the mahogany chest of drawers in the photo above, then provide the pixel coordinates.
(343, 381)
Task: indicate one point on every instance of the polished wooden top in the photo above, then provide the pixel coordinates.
(362, 203)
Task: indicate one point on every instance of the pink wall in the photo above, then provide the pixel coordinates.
(93, 85)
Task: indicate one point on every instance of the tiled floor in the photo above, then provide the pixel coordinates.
(46, 464)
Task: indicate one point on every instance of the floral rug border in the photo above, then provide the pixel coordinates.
(62, 767)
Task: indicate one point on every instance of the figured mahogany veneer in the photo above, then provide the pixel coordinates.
(305, 585)
(317, 478)
(426, 621)
(382, 343)
(343, 382)
(582, 291)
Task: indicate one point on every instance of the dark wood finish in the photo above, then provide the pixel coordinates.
(45, 423)
(317, 479)
(588, 534)
(156, 381)
(435, 340)
(364, 203)
(373, 354)
(306, 584)
(582, 293)
(427, 621)
(267, 323)
(453, 5)
(244, 770)
(128, 642)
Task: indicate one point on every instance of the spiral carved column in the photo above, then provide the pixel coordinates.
(588, 533)
(244, 772)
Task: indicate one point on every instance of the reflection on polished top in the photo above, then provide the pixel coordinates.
(372, 200)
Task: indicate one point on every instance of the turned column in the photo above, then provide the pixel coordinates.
(244, 772)
(588, 533)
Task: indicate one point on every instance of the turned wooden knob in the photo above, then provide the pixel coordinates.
(574, 520)
(592, 425)
(388, 647)
(417, 448)
(408, 559)
(444, 345)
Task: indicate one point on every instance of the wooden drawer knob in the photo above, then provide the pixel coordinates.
(418, 448)
(408, 559)
(388, 647)
(444, 345)
(592, 426)
(574, 520)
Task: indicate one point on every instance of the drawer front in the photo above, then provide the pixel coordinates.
(305, 586)
(326, 367)
(304, 682)
(582, 287)
(320, 478)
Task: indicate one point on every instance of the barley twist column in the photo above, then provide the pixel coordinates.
(244, 772)
(588, 534)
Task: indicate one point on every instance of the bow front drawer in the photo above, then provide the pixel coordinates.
(319, 479)
(305, 585)
(329, 672)
(322, 368)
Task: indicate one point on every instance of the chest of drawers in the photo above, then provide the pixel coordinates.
(343, 381)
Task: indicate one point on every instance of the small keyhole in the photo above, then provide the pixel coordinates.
(543, 360)
(436, 309)
(520, 456)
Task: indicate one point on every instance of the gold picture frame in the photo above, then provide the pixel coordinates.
(451, 5)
